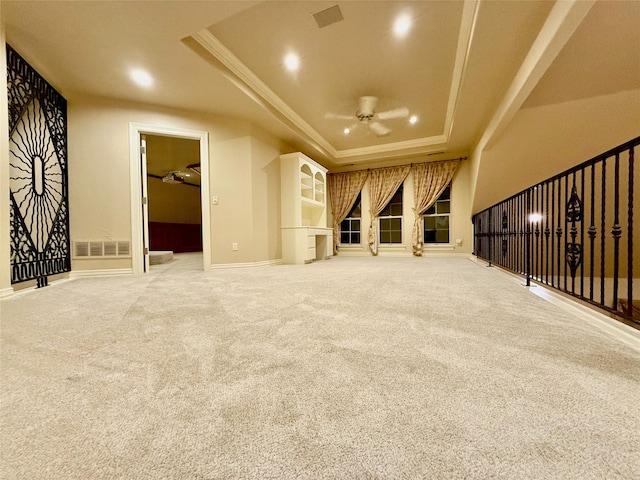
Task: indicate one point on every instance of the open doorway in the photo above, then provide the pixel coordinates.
(173, 192)
(163, 218)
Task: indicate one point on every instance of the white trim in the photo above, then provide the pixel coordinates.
(34, 288)
(137, 129)
(264, 263)
(465, 37)
(445, 253)
(618, 330)
(106, 272)
(562, 22)
(438, 247)
(622, 332)
(6, 293)
(249, 79)
(258, 91)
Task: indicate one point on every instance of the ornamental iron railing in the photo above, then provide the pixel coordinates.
(573, 232)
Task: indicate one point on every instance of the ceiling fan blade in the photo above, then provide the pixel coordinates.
(395, 113)
(337, 116)
(379, 129)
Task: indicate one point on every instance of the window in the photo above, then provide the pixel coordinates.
(350, 226)
(436, 219)
(391, 220)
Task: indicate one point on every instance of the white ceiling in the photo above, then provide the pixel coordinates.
(452, 70)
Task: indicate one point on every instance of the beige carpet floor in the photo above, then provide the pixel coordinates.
(352, 368)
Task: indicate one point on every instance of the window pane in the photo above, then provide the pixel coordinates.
(355, 210)
(430, 236)
(446, 194)
(344, 225)
(344, 237)
(442, 223)
(355, 238)
(444, 207)
(385, 237)
(396, 237)
(396, 223)
(431, 210)
(394, 205)
(442, 236)
(355, 225)
(384, 224)
(429, 223)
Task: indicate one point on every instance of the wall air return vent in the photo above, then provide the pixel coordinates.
(328, 16)
(110, 249)
(95, 249)
(124, 249)
(81, 249)
(104, 249)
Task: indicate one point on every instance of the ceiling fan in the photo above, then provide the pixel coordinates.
(366, 115)
(174, 176)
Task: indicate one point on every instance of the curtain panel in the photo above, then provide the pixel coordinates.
(383, 183)
(430, 180)
(343, 192)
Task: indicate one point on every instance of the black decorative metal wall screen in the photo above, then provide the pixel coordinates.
(38, 175)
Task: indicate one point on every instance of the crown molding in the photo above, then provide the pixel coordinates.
(242, 73)
(255, 88)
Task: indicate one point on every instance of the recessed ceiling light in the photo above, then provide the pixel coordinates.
(142, 78)
(402, 25)
(413, 119)
(292, 62)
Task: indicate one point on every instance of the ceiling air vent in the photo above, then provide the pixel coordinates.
(328, 16)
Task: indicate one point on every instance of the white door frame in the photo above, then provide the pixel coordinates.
(137, 247)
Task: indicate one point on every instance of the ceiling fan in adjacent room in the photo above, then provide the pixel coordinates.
(174, 176)
(367, 116)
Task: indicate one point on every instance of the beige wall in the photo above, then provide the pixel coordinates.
(460, 220)
(265, 180)
(99, 178)
(543, 141)
(5, 259)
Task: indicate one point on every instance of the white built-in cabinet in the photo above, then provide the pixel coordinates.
(305, 235)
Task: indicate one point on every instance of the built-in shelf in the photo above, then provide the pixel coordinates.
(305, 235)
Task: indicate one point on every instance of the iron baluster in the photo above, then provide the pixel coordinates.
(616, 230)
(592, 231)
(602, 229)
(547, 233)
(630, 238)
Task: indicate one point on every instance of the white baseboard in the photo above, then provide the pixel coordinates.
(107, 272)
(6, 292)
(621, 331)
(446, 255)
(263, 263)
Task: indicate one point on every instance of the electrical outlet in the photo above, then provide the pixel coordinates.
(234, 246)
